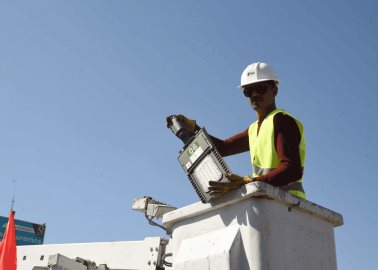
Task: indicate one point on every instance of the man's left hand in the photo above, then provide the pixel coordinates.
(235, 181)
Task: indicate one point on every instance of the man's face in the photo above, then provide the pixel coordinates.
(261, 95)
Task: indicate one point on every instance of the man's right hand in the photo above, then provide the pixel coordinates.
(189, 123)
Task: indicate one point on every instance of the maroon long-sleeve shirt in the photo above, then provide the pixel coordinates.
(286, 141)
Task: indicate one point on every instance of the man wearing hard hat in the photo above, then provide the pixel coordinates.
(276, 140)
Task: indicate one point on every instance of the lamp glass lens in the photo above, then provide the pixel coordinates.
(207, 170)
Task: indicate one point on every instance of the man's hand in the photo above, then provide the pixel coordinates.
(189, 123)
(236, 181)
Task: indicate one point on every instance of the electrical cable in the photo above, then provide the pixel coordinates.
(169, 264)
(153, 223)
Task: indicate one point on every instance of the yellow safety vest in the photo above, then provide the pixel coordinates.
(264, 156)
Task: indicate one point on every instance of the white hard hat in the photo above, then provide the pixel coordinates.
(258, 72)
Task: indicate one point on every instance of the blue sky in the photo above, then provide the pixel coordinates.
(85, 87)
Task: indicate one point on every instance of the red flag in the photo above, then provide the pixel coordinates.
(8, 250)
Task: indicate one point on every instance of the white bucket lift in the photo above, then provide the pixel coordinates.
(256, 227)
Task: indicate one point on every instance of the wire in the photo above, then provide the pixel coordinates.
(164, 261)
(153, 223)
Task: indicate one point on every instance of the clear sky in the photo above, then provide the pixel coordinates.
(85, 87)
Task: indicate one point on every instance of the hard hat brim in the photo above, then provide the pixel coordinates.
(262, 80)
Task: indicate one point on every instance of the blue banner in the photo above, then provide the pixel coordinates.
(27, 233)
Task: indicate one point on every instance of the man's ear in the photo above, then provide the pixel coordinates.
(275, 90)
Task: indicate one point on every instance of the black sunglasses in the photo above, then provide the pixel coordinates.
(258, 88)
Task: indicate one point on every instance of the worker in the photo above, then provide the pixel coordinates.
(276, 140)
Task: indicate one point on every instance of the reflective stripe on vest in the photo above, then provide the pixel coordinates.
(295, 186)
(257, 171)
(264, 156)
